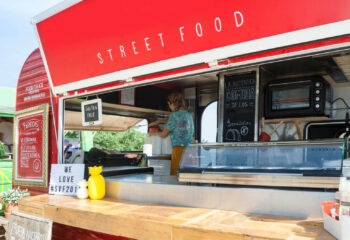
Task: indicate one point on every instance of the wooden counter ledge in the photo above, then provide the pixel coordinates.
(149, 222)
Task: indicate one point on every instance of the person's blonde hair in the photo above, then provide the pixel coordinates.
(177, 99)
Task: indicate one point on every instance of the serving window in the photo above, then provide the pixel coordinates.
(201, 93)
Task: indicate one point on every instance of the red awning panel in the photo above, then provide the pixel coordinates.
(33, 87)
(99, 41)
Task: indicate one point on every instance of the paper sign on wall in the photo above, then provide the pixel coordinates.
(65, 178)
(127, 96)
(27, 227)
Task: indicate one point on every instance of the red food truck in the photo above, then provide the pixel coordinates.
(278, 72)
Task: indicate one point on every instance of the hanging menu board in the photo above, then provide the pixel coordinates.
(91, 112)
(239, 107)
(31, 146)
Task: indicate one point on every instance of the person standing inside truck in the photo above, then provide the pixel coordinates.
(180, 127)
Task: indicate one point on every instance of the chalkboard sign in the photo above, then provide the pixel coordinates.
(91, 112)
(239, 107)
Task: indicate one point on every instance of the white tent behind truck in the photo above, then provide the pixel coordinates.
(7, 110)
(7, 101)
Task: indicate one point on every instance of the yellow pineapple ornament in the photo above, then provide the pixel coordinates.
(96, 183)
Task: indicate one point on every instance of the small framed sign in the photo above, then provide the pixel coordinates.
(64, 178)
(30, 148)
(91, 112)
(27, 227)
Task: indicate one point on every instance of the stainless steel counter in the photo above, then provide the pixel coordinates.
(146, 178)
(166, 190)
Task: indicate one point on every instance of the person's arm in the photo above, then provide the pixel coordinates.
(157, 122)
(161, 134)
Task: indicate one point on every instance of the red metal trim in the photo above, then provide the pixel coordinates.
(286, 50)
(293, 100)
(64, 232)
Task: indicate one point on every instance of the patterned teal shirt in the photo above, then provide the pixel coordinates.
(180, 125)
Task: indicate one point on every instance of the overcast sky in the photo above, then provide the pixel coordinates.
(17, 37)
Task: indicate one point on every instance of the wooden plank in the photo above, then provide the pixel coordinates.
(125, 225)
(286, 219)
(180, 233)
(151, 221)
(300, 119)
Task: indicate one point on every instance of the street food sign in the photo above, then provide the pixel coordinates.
(27, 227)
(91, 112)
(31, 146)
(101, 41)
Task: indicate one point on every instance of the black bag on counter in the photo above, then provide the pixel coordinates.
(111, 158)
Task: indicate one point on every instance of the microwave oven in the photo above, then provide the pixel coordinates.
(297, 97)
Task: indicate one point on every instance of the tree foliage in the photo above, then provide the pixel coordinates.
(71, 134)
(130, 140)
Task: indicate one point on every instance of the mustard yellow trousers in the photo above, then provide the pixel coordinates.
(175, 159)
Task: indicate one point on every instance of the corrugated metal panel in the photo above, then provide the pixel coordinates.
(33, 86)
(33, 90)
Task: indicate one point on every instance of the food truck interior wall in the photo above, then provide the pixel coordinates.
(199, 92)
(334, 68)
(154, 96)
(205, 88)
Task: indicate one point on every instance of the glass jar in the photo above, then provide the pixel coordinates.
(344, 209)
(336, 209)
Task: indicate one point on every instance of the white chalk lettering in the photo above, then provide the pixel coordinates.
(161, 38)
(147, 44)
(122, 51)
(134, 48)
(238, 18)
(217, 23)
(199, 30)
(100, 59)
(181, 33)
(34, 97)
(35, 88)
(31, 124)
(110, 54)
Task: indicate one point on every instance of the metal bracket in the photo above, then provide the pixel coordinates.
(213, 63)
